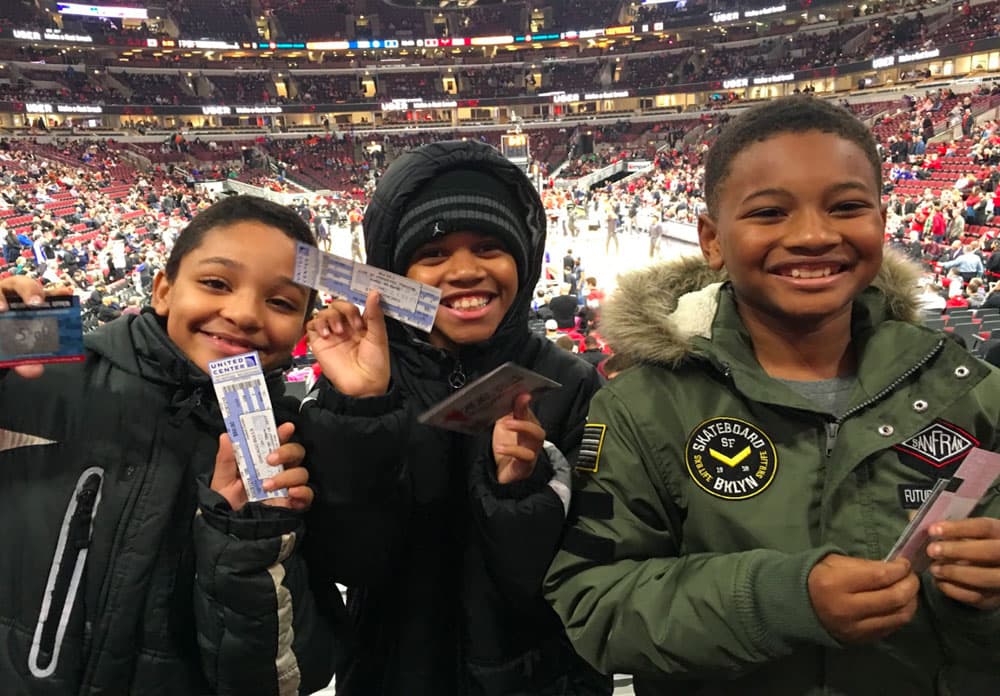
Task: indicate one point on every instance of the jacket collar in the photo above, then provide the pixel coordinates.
(658, 312)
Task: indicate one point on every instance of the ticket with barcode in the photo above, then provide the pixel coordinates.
(403, 299)
(246, 408)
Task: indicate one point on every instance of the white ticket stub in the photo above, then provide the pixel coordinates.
(476, 407)
(950, 499)
(403, 299)
(246, 408)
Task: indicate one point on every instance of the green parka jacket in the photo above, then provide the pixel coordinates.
(710, 491)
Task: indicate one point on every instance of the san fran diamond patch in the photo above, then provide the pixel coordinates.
(937, 450)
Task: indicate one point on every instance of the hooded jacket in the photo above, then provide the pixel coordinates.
(688, 567)
(444, 564)
(122, 572)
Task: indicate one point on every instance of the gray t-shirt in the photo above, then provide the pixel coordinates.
(831, 395)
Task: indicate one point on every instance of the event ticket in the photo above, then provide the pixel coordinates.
(476, 407)
(950, 499)
(403, 299)
(246, 408)
(51, 332)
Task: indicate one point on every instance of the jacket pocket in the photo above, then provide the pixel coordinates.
(65, 573)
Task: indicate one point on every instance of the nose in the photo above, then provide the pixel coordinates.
(464, 268)
(244, 309)
(813, 230)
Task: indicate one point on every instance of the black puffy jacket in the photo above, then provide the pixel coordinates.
(122, 573)
(443, 563)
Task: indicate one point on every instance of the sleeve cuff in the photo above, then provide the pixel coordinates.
(517, 490)
(775, 605)
(255, 521)
(367, 407)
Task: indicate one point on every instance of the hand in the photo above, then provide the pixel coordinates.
(31, 292)
(517, 440)
(352, 350)
(860, 601)
(226, 480)
(966, 555)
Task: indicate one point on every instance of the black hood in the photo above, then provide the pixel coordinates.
(410, 172)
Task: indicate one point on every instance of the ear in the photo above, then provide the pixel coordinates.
(161, 294)
(708, 240)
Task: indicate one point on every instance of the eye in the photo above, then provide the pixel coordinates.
(850, 206)
(489, 248)
(428, 254)
(284, 305)
(214, 283)
(766, 213)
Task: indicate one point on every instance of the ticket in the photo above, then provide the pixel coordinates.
(51, 332)
(246, 408)
(476, 407)
(403, 299)
(950, 499)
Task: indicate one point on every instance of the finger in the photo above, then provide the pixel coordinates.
(331, 320)
(983, 552)
(29, 291)
(286, 479)
(32, 371)
(225, 455)
(522, 454)
(972, 528)
(375, 317)
(301, 497)
(885, 601)
(974, 577)
(969, 595)
(876, 627)
(525, 428)
(289, 455)
(520, 409)
(285, 432)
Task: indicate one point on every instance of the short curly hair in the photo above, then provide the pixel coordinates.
(796, 114)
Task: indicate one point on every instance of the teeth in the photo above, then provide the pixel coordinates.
(468, 303)
(819, 273)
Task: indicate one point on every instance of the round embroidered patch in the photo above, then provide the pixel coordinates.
(730, 458)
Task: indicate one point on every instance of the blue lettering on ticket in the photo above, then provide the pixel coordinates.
(403, 299)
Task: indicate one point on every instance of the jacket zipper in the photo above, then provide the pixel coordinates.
(457, 378)
(833, 427)
(65, 573)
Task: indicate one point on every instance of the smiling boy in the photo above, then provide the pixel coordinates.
(733, 545)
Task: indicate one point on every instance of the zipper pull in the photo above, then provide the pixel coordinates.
(832, 428)
(457, 378)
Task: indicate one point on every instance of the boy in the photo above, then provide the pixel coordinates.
(733, 544)
(443, 539)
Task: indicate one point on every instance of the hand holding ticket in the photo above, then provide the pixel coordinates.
(476, 407)
(246, 409)
(951, 499)
(36, 329)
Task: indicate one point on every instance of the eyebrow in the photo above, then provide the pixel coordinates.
(236, 265)
(836, 188)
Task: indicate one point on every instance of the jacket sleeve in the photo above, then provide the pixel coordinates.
(632, 603)
(358, 514)
(521, 523)
(258, 628)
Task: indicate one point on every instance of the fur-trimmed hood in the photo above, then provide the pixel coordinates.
(656, 311)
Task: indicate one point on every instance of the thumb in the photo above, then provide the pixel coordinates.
(225, 457)
(521, 402)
